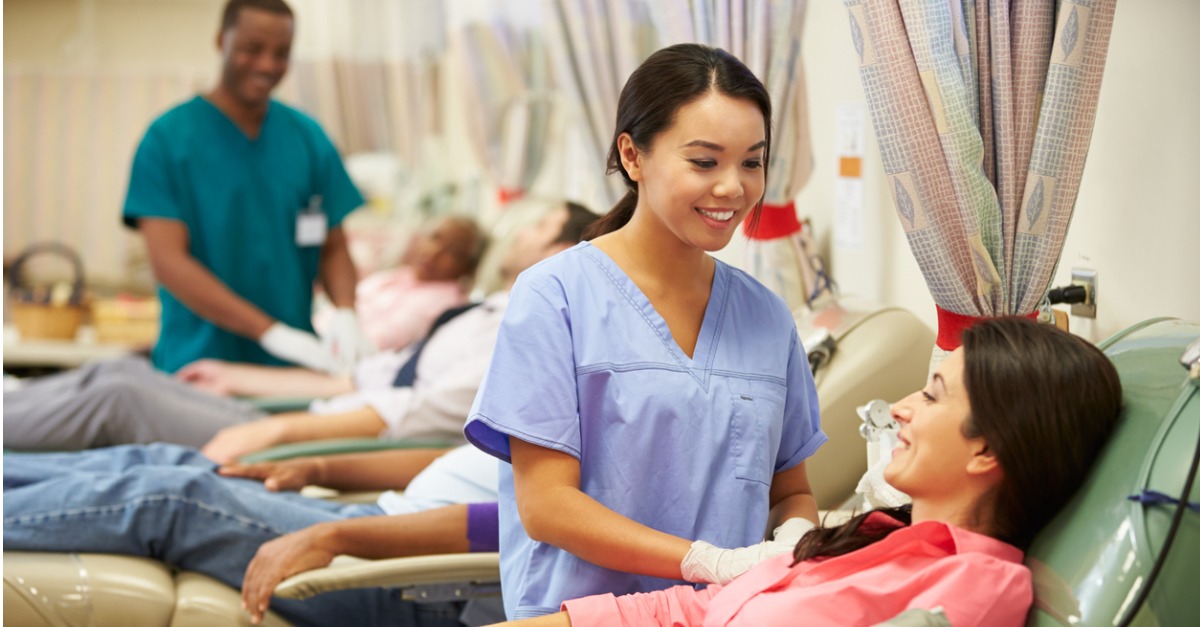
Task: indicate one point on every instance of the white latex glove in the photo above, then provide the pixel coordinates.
(345, 340)
(705, 563)
(301, 348)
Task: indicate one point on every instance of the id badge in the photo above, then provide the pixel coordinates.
(311, 225)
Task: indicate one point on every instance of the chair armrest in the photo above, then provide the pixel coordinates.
(338, 446)
(278, 404)
(400, 572)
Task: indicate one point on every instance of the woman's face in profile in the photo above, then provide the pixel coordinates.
(933, 453)
(706, 172)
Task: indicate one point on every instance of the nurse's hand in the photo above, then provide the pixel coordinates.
(345, 340)
(705, 563)
(299, 347)
(279, 559)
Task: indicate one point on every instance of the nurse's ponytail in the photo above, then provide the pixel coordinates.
(616, 217)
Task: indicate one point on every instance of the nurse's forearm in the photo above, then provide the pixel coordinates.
(577, 523)
(203, 293)
(338, 275)
(796, 506)
(554, 510)
(791, 497)
(195, 285)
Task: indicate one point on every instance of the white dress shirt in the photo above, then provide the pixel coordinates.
(449, 372)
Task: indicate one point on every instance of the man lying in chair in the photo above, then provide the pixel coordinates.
(424, 393)
(170, 503)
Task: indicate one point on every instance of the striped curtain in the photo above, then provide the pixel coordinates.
(984, 112)
(505, 73)
(69, 137)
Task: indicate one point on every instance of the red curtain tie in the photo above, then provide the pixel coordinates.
(774, 222)
(951, 325)
(509, 194)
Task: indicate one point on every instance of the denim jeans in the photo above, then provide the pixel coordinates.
(166, 502)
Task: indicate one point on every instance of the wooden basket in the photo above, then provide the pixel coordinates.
(36, 312)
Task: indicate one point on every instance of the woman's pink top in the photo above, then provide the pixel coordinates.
(975, 579)
(395, 308)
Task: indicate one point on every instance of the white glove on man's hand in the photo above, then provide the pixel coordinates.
(705, 563)
(301, 348)
(345, 339)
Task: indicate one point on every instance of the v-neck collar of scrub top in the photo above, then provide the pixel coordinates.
(234, 128)
(714, 312)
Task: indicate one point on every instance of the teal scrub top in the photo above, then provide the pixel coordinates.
(240, 200)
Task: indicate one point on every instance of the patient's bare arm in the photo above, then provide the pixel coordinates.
(235, 379)
(377, 470)
(435, 531)
(231, 443)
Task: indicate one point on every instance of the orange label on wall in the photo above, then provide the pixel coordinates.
(850, 167)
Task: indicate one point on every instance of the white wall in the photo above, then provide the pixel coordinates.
(1137, 219)
(111, 33)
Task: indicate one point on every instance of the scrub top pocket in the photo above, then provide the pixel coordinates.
(752, 417)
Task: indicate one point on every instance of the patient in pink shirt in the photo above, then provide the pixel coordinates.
(990, 450)
(397, 306)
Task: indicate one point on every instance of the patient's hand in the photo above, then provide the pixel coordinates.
(210, 375)
(231, 443)
(281, 558)
(290, 474)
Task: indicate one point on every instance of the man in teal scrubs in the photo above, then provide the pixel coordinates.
(240, 200)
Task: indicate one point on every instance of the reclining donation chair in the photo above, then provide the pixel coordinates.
(1105, 558)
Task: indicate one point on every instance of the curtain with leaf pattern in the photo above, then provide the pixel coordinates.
(984, 112)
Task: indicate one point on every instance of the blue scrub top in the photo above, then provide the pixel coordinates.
(586, 366)
(239, 199)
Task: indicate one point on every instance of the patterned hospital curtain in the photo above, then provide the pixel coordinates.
(597, 44)
(983, 111)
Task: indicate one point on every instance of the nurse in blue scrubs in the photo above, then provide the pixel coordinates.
(240, 198)
(654, 404)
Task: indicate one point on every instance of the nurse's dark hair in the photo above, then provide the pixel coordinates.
(1045, 402)
(229, 16)
(669, 79)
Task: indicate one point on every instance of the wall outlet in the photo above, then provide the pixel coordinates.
(1087, 279)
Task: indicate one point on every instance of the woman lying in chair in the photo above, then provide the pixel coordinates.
(990, 450)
